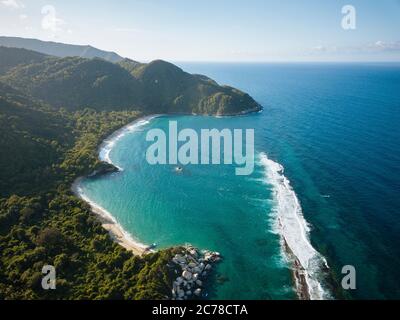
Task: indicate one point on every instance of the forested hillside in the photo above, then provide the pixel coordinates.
(42, 222)
(32, 139)
(158, 87)
(75, 83)
(168, 89)
(11, 58)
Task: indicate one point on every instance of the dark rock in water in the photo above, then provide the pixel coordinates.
(221, 279)
(103, 168)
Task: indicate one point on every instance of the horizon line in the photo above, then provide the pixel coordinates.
(209, 61)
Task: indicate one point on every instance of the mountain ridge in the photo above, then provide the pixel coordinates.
(156, 87)
(59, 49)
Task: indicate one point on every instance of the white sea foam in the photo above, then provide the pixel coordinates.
(293, 228)
(110, 142)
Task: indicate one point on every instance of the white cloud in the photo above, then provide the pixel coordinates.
(386, 46)
(378, 46)
(51, 22)
(23, 16)
(14, 4)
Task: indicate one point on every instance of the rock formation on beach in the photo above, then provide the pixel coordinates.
(193, 268)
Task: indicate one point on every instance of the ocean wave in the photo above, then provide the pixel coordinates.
(291, 225)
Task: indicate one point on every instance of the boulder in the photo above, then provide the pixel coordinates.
(181, 293)
(187, 275)
(193, 252)
(197, 270)
(179, 280)
(199, 283)
(180, 258)
(197, 292)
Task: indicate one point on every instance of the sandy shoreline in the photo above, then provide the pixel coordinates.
(116, 231)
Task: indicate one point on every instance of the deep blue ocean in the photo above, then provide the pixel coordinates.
(334, 128)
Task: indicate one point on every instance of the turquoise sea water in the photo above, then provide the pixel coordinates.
(334, 128)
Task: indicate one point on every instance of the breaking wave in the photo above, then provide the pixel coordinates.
(293, 229)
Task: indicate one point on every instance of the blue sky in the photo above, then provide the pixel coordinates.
(218, 30)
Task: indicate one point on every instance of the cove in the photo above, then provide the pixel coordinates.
(207, 206)
(312, 133)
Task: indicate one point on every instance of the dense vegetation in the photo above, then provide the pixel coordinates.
(11, 58)
(158, 87)
(75, 83)
(42, 223)
(168, 89)
(53, 115)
